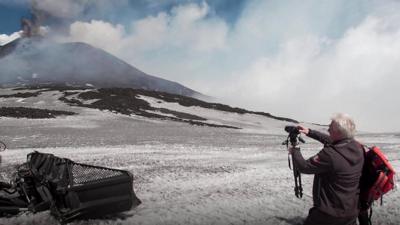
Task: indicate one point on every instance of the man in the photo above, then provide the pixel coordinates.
(337, 168)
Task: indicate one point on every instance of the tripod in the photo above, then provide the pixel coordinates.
(293, 140)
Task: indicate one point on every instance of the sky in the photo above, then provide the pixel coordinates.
(300, 59)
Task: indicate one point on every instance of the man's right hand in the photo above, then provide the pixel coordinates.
(303, 129)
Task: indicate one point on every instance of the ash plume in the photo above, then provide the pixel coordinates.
(32, 27)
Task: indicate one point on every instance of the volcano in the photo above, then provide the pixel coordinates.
(36, 61)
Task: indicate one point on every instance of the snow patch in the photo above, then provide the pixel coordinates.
(250, 123)
(20, 100)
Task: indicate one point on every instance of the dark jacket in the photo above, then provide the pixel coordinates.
(337, 168)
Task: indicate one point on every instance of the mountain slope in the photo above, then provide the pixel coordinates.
(156, 106)
(33, 61)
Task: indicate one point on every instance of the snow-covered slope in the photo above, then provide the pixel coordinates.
(183, 173)
(155, 106)
(247, 122)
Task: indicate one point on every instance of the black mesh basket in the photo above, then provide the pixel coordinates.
(81, 191)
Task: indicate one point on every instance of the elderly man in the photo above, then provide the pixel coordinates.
(337, 168)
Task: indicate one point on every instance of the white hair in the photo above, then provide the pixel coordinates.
(345, 124)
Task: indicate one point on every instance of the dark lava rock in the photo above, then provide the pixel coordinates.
(126, 101)
(21, 95)
(188, 101)
(32, 113)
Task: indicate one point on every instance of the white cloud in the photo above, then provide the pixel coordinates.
(150, 33)
(283, 63)
(98, 33)
(189, 27)
(186, 28)
(4, 38)
(311, 77)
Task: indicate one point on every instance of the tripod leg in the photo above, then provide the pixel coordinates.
(300, 185)
(296, 182)
(298, 189)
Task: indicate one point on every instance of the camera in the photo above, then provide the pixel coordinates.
(292, 130)
(294, 136)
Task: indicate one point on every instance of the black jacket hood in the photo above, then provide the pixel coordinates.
(349, 149)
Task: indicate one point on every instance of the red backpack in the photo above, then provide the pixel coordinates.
(377, 177)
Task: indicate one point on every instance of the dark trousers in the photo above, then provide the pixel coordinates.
(316, 217)
(363, 218)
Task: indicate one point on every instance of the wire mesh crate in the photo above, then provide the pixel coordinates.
(82, 191)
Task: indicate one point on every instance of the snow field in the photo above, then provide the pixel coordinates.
(183, 174)
(190, 184)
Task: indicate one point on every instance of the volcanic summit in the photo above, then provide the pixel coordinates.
(35, 60)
